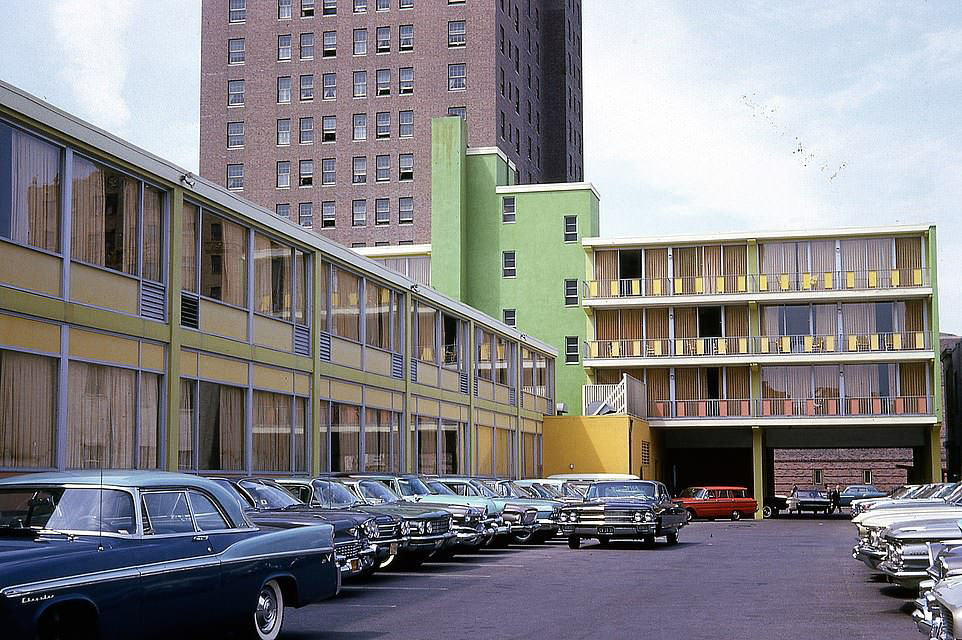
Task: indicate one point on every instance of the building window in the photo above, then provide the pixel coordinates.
(406, 124)
(235, 134)
(305, 170)
(359, 165)
(383, 37)
(405, 163)
(327, 215)
(360, 126)
(406, 4)
(307, 88)
(383, 121)
(360, 42)
(307, 8)
(307, 46)
(572, 354)
(327, 171)
(405, 34)
(406, 80)
(329, 129)
(360, 6)
(223, 263)
(329, 44)
(510, 317)
(382, 213)
(817, 477)
(283, 89)
(571, 228)
(237, 11)
(30, 190)
(235, 51)
(282, 210)
(456, 33)
(284, 132)
(283, 175)
(283, 48)
(383, 5)
(383, 77)
(330, 86)
(272, 277)
(382, 166)
(866, 476)
(358, 213)
(508, 264)
(571, 293)
(306, 131)
(405, 210)
(235, 176)
(507, 209)
(235, 93)
(305, 214)
(457, 77)
(284, 9)
(461, 112)
(360, 84)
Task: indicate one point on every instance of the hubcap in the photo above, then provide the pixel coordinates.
(266, 614)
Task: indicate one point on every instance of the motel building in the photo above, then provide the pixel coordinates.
(150, 319)
(708, 353)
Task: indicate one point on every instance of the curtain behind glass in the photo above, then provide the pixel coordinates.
(149, 420)
(221, 427)
(301, 265)
(104, 223)
(100, 417)
(656, 272)
(185, 452)
(377, 315)
(345, 304)
(427, 319)
(301, 426)
(450, 451)
(28, 410)
(223, 274)
(153, 233)
(484, 355)
(272, 278)
(485, 451)
(35, 182)
(504, 456)
(272, 431)
(188, 269)
(427, 444)
(345, 437)
(381, 441)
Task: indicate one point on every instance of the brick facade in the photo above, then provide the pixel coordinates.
(889, 467)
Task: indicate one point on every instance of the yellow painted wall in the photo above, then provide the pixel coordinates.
(599, 444)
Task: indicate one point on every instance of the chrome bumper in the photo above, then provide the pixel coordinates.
(902, 576)
(869, 555)
(619, 530)
(354, 566)
(428, 542)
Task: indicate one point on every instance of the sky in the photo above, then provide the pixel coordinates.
(699, 116)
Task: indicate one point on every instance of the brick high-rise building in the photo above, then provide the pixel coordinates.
(321, 109)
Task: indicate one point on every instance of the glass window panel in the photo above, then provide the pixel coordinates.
(272, 277)
(150, 395)
(504, 453)
(168, 512)
(427, 444)
(104, 222)
(450, 447)
(153, 233)
(377, 313)
(324, 423)
(220, 428)
(381, 440)
(223, 272)
(30, 182)
(300, 435)
(206, 515)
(28, 410)
(345, 304)
(100, 419)
(427, 319)
(272, 431)
(345, 437)
(188, 402)
(484, 355)
(301, 278)
(324, 302)
(188, 271)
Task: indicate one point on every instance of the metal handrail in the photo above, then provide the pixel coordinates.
(823, 406)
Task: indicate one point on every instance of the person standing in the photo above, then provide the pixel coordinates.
(836, 498)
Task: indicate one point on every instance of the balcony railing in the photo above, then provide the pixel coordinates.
(626, 397)
(764, 345)
(875, 406)
(759, 283)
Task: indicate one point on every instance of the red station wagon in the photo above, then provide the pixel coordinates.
(717, 502)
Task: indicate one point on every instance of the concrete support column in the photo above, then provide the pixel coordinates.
(758, 469)
(933, 450)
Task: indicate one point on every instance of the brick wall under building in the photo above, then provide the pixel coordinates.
(889, 467)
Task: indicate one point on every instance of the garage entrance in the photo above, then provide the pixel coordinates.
(689, 467)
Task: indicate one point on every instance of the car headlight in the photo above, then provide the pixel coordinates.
(352, 531)
(371, 529)
(649, 516)
(405, 528)
(422, 526)
(638, 517)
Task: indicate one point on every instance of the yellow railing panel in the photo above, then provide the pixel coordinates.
(850, 279)
(786, 344)
(700, 347)
(897, 341)
(808, 343)
(919, 340)
(830, 343)
(636, 348)
(873, 342)
(896, 277)
(636, 287)
(678, 287)
(722, 347)
(743, 345)
(656, 287)
(828, 280)
(783, 281)
(872, 279)
(763, 282)
(852, 343)
(593, 349)
(613, 285)
(741, 283)
(917, 277)
(615, 349)
(720, 284)
(657, 347)
(806, 281)
(763, 345)
(593, 289)
(699, 285)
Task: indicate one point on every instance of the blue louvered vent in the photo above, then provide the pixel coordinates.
(414, 370)
(397, 366)
(302, 340)
(512, 396)
(475, 385)
(463, 385)
(324, 346)
(153, 301)
(189, 311)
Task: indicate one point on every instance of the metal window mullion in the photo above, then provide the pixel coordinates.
(140, 245)
(361, 430)
(249, 421)
(291, 446)
(194, 463)
(60, 455)
(362, 319)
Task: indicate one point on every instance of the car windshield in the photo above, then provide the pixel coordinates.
(483, 489)
(692, 492)
(57, 509)
(928, 491)
(621, 490)
(413, 486)
(376, 491)
(333, 494)
(440, 488)
(808, 493)
(947, 490)
(267, 496)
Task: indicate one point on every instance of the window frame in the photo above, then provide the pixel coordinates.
(509, 264)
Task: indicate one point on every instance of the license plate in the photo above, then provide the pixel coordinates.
(604, 530)
(393, 548)
(355, 564)
(567, 529)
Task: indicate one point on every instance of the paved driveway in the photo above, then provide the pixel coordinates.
(780, 579)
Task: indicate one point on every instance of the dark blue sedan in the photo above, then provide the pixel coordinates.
(124, 554)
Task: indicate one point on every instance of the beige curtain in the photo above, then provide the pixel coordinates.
(322, 304)
(300, 435)
(658, 388)
(656, 272)
(185, 453)
(736, 321)
(736, 267)
(324, 423)
(128, 219)
(345, 304)
(262, 274)
(485, 357)
(149, 420)
(427, 333)
(224, 261)
(88, 203)
(606, 265)
(377, 315)
(823, 261)
(687, 267)
(607, 376)
(714, 269)
(826, 319)
(737, 392)
(301, 265)
(345, 437)
(504, 453)
(688, 384)
(607, 325)
(858, 318)
(380, 439)
(771, 321)
(631, 324)
(826, 390)
(231, 428)
(271, 432)
(912, 379)
(35, 205)
(28, 410)
(427, 442)
(100, 418)
(419, 269)
(153, 233)
(485, 451)
(188, 269)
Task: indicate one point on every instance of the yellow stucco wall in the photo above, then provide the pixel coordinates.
(599, 444)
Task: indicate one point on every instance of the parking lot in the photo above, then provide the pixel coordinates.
(784, 578)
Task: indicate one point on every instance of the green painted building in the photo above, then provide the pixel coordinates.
(512, 251)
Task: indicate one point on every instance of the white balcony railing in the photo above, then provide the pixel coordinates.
(627, 397)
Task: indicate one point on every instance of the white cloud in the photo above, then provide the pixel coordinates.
(93, 38)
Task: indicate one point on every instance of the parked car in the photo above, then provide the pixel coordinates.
(717, 502)
(267, 503)
(870, 550)
(520, 515)
(904, 492)
(814, 500)
(934, 495)
(774, 505)
(939, 610)
(906, 548)
(623, 510)
(581, 481)
(546, 525)
(557, 489)
(151, 554)
(859, 492)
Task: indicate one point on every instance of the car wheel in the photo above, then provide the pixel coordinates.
(268, 612)
(767, 512)
(672, 537)
(574, 542)
(689, 515)
(736, 515)
(524, 538)
(387, 562)
(648, 541)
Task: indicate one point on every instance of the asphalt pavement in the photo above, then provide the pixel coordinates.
(782, 579)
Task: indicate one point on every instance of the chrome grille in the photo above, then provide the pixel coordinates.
(388, 529)
(529, 517)
(948, 622)
(438, 526)
(621, 515)
(349, 550)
